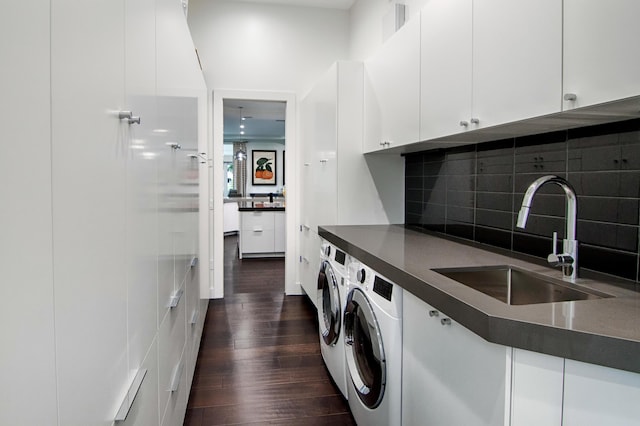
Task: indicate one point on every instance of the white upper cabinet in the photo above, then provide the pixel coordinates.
(601, 63)
(392, 91)
(488, 62)
(177, 63)
(446, 56)
(517, 60)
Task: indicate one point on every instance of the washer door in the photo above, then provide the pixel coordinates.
(329, 303)
(364, 349)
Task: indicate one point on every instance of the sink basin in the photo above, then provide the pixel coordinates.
(516, 286)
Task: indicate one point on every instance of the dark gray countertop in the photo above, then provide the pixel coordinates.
(252, 206)
(603, 331)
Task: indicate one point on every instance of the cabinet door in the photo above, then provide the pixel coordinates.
(26, 250)
(310, 264)
(517, 59)
(445, 82)
(392, 91)
(141, 180)
(536, 389)
(89, 224)
(450, 375)
(324, 161)
(600, 45)
(596, 395)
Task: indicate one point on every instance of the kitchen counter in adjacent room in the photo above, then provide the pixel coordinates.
(604, 331)
(250, 206)
(262, 229)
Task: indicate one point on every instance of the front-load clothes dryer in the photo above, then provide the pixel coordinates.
(332, 290)
(373, 347)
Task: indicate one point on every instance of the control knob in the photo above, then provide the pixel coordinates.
(361, 275)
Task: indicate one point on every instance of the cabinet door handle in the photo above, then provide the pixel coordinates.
(445, 321)
(194, 317)
(464, 123)
(475, 121)
(123, 412)
(175, 380)
(257, 230)
(570, 97)
(433, 313)
(175, 299)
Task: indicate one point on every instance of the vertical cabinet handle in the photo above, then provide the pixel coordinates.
(194, 317)
(123, 412)
(175, 380)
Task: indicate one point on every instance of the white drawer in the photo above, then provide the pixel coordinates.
(257, 241)
(257, 221)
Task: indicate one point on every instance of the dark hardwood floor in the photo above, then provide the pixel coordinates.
(259, 360)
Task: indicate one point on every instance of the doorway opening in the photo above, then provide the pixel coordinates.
(254, 195)
(253, 141)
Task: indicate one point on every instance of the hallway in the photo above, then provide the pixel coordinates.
(259, 360)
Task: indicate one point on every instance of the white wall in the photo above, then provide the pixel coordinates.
(253, 46)
(366, 24)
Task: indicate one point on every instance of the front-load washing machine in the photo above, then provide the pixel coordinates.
(332, 291)
(373, 347)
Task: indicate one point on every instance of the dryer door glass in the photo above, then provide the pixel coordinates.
(364, 350)
(330, 304)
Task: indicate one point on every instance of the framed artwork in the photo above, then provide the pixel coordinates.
(264, 167)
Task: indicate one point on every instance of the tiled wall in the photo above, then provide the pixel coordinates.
(475, 192)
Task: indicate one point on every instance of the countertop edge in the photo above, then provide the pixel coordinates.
(608, 351)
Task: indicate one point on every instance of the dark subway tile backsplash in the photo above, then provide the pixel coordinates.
(475, 192)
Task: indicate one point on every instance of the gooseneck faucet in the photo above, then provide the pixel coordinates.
(568, 259)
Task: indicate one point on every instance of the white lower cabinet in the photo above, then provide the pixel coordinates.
(310, 263)
(262, 233)
(596, 395)
(450, 375)
(144, 410)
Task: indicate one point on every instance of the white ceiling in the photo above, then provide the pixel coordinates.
(329, 4)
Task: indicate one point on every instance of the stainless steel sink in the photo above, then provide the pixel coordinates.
(516, 286)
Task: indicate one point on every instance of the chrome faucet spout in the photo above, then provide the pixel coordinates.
(569, 259)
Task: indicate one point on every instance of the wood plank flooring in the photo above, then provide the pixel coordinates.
(259, 360)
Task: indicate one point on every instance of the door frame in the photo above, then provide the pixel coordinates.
(217, 237)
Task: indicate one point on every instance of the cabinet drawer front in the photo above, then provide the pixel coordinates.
(257, 220)
(257, 241)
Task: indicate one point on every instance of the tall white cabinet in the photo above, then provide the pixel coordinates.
(27, 319)
(100, 232)
(339, 184)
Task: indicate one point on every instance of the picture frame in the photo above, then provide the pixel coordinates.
(263, 170)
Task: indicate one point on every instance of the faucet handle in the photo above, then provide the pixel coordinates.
(555, 243)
